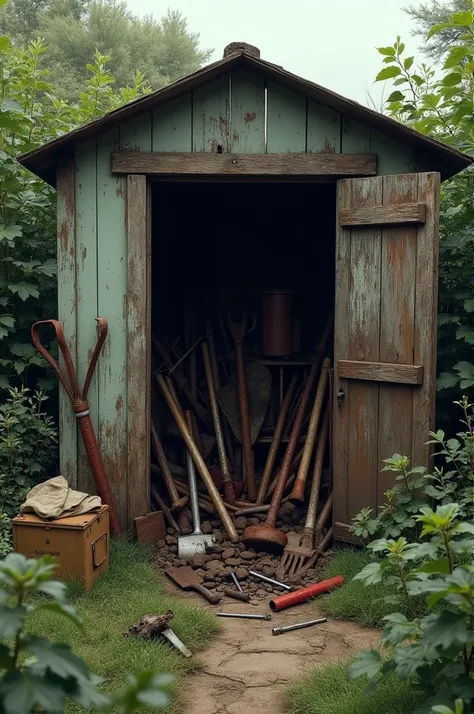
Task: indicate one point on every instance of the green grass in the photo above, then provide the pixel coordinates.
(130, 589)
(327, 691)
(355, 601)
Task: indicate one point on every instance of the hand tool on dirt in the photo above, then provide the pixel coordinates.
(304, 594)
(245, 616)
(272, 453)
(217, 383)
(80, 404)
(216, 418)
(297, 494)
(236, 581)
(270, 581)
(238, 330)
(199, 463)
(181, 382)
(187, 579)
(299, 626)
(265, 536)
(294, 558)
(237, 595)
(197, 542)
(177, 503)
(166, 511)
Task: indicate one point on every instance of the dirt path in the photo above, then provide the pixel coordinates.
(246, 668)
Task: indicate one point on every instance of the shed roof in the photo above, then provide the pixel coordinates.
(445, 159)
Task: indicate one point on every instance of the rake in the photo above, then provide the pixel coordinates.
(294, 558)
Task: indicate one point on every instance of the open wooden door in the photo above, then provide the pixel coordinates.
(385, 333)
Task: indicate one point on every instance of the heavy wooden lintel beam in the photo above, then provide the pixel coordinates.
(383, 215)
(380, 372)
(201, 165)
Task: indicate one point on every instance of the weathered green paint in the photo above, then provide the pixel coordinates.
(86, 276)
(355, 137)
(393, 157)
(135, 134)
(286, 120)
(324, 129)
(172, 125)
(248, 113)
(112, 286)
(211, 116)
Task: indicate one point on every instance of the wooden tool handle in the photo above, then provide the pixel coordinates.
(210, 597)
(245, 421)
(237, 595)
(324, 515)
(310, 522)
(163, 462)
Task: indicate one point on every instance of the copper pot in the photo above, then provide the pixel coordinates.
(277, 323)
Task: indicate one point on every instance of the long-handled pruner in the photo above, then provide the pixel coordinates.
(80, 404)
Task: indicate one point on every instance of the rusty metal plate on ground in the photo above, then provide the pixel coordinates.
(259, 384)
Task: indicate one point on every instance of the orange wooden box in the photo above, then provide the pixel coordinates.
(79, 543)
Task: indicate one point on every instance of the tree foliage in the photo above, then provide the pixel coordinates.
(442, 107)
(75, 29)
(435, 12)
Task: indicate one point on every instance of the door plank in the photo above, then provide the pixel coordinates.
(383, 215)
(380, 371)
(248, 113)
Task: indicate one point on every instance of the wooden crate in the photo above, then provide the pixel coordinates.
(79, 543)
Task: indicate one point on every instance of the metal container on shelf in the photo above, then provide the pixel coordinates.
(277, 323)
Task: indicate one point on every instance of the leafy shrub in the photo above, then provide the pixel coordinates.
(27, 450)
(53, 674)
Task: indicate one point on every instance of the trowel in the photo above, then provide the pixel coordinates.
(197, 542)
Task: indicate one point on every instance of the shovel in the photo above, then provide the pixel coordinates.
(197, 542)
(187, 579)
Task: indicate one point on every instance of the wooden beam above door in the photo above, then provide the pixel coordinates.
(282, 167)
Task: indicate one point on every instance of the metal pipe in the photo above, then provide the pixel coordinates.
(199, 462)
(283, 586)
(299, 596)
(193, 492)
(244, 615)
(299, 626)
(237, 584)
(272, 453)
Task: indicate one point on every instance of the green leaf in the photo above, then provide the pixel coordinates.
(445, 630)
(397, 630)
(10, 232)
(452, 79)
(435, 566)
(407, 62)
(11, 620)
(464, 528)
(456, 55)
(56, 658)
(61, 609)
(462, 19)
(55, 589)
(7, 320)
(371, 574)
(396, 96)
(388, 73)
(24, 290)
(25, 691)
(368, 664)
(4, 43)
(386, 50)
(465, 369)
(465, 333)
(446, 381)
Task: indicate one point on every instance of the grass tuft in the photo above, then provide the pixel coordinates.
(328, 691)
(355, 601)
(131, 588)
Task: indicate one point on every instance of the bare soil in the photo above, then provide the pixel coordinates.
(246, 668)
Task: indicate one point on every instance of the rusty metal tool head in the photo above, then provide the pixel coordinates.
(80, 404)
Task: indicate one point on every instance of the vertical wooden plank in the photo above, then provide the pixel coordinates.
(341, 351)
(138, 344)
(392, 157)
(426, 306)
(355, 137)
(67, 306)
(135, 134)
(286, 120)
(86, 261)
(211, 116)
(172, 125)
(324, 129)
(364, 328)
(396, 327)
(248, 113)
(112, 286)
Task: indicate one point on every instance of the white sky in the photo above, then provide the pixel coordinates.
(330, 42)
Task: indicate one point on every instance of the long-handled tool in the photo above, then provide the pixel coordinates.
(166, 511)
(216, 418)
(278, 433)
(187, 579)
(245, 616)
(199, 462)
(265, 536)
(197, 542)
(217, 383)
(295, 557)
(80, 405)
(177, 503)
(297, 494)
(238, 330)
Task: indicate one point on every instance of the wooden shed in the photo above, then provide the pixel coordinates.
(238, 177)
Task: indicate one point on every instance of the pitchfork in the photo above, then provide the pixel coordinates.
(80, 404)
